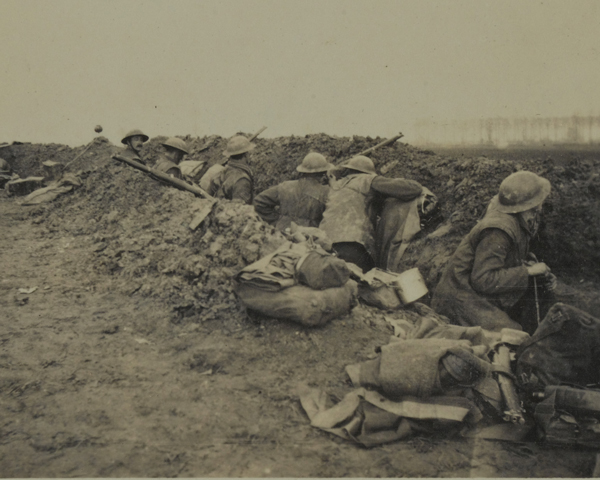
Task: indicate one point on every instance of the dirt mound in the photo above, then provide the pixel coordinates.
(138, 228)
(26, 158)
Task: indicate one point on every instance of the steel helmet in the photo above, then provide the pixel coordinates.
(238, 145)
(520, 191)
(313, 163)
(177, 143)
(133, 133)
(360, 163)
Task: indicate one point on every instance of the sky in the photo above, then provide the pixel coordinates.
(341, 67)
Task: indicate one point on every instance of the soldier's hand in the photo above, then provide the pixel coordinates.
(538, 269)
(427, 201)
(551, 282)
(531, 259)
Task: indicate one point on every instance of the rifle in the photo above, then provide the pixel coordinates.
(252, 138)
(196, 190)
(381, 144)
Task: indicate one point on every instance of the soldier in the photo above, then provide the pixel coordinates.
(168, 162)
(5, 168)
(133, 142)
(5, 172)
(235, 181)
(488, 279)
(301, 201)
(349, 216)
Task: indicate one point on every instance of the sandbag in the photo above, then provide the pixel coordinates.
(24, 186)
(52, 191)
(565, 348)
(319, 271)
(299, 303)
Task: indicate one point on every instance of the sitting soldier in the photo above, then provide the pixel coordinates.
(488, 280)
(235, 181)
(168, 162)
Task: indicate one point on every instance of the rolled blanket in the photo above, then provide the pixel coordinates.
(411, 367)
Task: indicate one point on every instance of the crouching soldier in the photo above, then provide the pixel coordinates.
(168, 162)
(488, 280)
(300, 201)
(349, 217)
(133, 141)
(236, 180)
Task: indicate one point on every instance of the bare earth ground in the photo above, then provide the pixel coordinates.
(98, 383)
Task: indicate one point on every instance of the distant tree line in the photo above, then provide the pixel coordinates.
(510, 131)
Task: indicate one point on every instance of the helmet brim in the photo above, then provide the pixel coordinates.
(176, 148)
(250, 147)
(533, 202)
(144, 137)
(302, 169)
(361, 170)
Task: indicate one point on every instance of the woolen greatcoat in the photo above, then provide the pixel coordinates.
(351, 207)
(347, 217)
(300, 201)
(234, 182)
(486, 276)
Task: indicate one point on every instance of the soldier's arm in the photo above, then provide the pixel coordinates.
(490, 275)
(242, 191)
(396, 187)
(267, 204)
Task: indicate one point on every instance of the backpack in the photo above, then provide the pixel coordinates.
(565, 348)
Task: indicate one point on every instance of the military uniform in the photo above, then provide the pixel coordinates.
(486, 276)
(166, 166)
(349, 217)
(300, 201)
(234, 182)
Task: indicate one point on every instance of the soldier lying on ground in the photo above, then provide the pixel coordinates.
(133, 141)
(349, 217)
(168, 162)
(489, 279)
(301, 201)
(235, 181)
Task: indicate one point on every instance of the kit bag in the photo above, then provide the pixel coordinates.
(565, 348)
(319, 270)
(300, 304)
